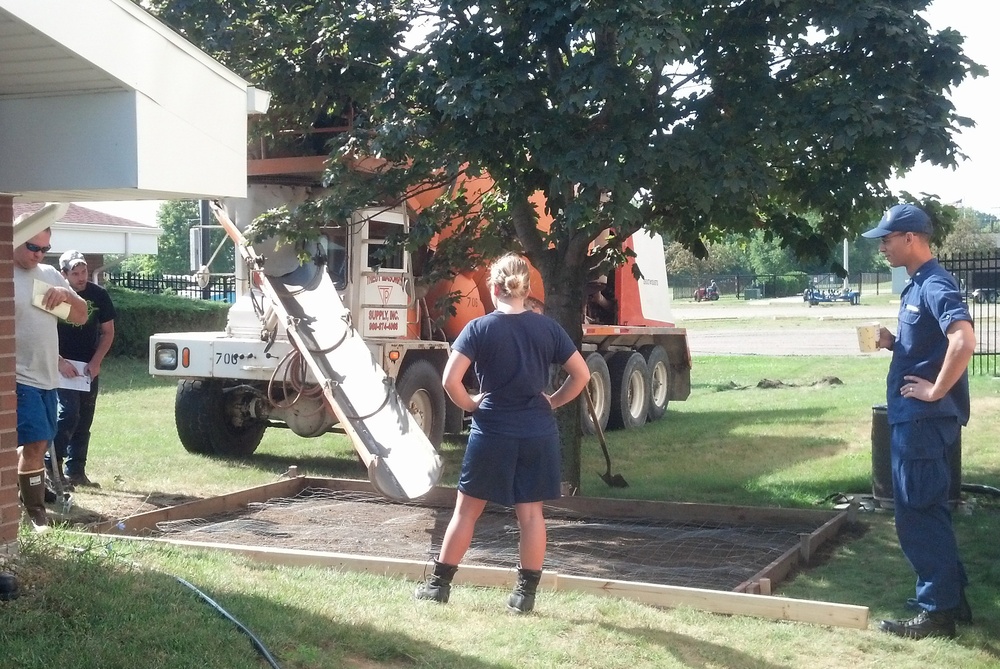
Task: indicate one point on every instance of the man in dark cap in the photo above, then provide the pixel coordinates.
(85, 345)
(928, 403)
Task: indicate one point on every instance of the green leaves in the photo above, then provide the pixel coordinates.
(691, 118)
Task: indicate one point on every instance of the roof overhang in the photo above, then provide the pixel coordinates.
(100, 101)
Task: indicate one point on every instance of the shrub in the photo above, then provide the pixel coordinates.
(792, 283)
(140, 315)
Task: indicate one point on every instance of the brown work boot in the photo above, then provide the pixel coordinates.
(32, 488)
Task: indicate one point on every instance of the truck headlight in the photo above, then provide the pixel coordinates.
(165, 356)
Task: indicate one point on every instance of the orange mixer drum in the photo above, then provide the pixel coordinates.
(468, 306)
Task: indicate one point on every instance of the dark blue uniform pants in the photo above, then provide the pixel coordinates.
(76, 415)
(921, 477)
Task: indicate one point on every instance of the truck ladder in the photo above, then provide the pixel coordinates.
(402, 463)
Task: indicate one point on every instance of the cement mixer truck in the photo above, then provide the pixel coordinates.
(236, 384)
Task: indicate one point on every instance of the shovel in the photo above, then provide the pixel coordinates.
(613, 480)
(63, 497)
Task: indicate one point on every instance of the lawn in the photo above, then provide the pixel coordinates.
(96, 603)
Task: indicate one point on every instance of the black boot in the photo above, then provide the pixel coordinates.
(437, 587)
(962, 613)
(522, 600)
(925, 624)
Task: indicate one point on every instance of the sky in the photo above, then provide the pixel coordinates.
(975, 180)
(974, 183)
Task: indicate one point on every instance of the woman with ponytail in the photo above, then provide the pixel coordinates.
(513, 456)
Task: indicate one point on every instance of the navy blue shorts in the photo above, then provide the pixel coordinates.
(37, 411)
(511, 470)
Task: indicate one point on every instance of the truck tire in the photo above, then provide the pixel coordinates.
(204, 416)
(419, 387)
(629, 390)
(600, 391)
(659, 380)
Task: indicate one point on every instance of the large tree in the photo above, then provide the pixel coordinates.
(690, 117)
(175, 218)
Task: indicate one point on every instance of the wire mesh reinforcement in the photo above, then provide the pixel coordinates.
(702, 555)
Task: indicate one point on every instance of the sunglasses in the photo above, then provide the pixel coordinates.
(35, 248)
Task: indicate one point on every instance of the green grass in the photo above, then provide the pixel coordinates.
(95, 603)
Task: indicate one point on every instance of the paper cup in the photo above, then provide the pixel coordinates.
(868, 337)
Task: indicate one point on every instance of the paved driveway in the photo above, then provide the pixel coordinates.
(798, 329)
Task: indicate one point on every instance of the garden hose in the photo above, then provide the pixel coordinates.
(225, 614)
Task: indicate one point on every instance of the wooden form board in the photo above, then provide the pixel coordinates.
(749, 598)
(444, 497)
(713, 601)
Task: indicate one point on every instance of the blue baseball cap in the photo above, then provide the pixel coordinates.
(902, 218)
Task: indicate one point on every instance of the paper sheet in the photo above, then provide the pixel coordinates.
(38, 290)
(81, 382)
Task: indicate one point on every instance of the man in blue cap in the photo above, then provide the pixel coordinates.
(928, 403)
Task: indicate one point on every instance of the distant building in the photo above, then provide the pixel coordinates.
(96, 234)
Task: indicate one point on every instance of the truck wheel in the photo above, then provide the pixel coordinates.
(659, 380)
(210, 422)
(419, 387)
(629, 390)
(600, 392)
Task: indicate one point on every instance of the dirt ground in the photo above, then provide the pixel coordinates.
(704, 554)
(90, 507)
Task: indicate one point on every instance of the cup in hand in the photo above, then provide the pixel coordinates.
(868, 337)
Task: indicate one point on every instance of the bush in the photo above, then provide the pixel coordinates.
(142, 314)
(792, 283)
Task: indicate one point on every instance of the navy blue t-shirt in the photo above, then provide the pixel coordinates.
(511, 355)
(929, 304)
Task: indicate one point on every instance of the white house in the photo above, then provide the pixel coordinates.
(100, 101)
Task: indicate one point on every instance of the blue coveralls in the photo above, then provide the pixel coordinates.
(924, 436)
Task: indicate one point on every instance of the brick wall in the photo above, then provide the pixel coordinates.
(10, 511)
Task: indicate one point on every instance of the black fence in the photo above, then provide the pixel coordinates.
(769, 286)
(219, 288)
(978, 275)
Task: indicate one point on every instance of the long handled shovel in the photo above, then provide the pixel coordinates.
(613, 480)
(62, 495)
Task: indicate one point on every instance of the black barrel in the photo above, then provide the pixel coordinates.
(882, 462)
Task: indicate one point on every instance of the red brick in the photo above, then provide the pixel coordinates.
(9, 511)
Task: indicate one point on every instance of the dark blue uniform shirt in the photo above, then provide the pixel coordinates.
(511, 354)
(929, 304)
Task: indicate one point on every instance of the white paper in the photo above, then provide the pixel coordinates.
(80, 382)
(38, 290)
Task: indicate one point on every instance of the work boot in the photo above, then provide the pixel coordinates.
(437, 587)
(522, 600)
(81, 480)
(925, 624)
(33, 498)
(962, 612)
(8, 587)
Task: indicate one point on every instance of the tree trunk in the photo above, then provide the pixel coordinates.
(564, 303)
